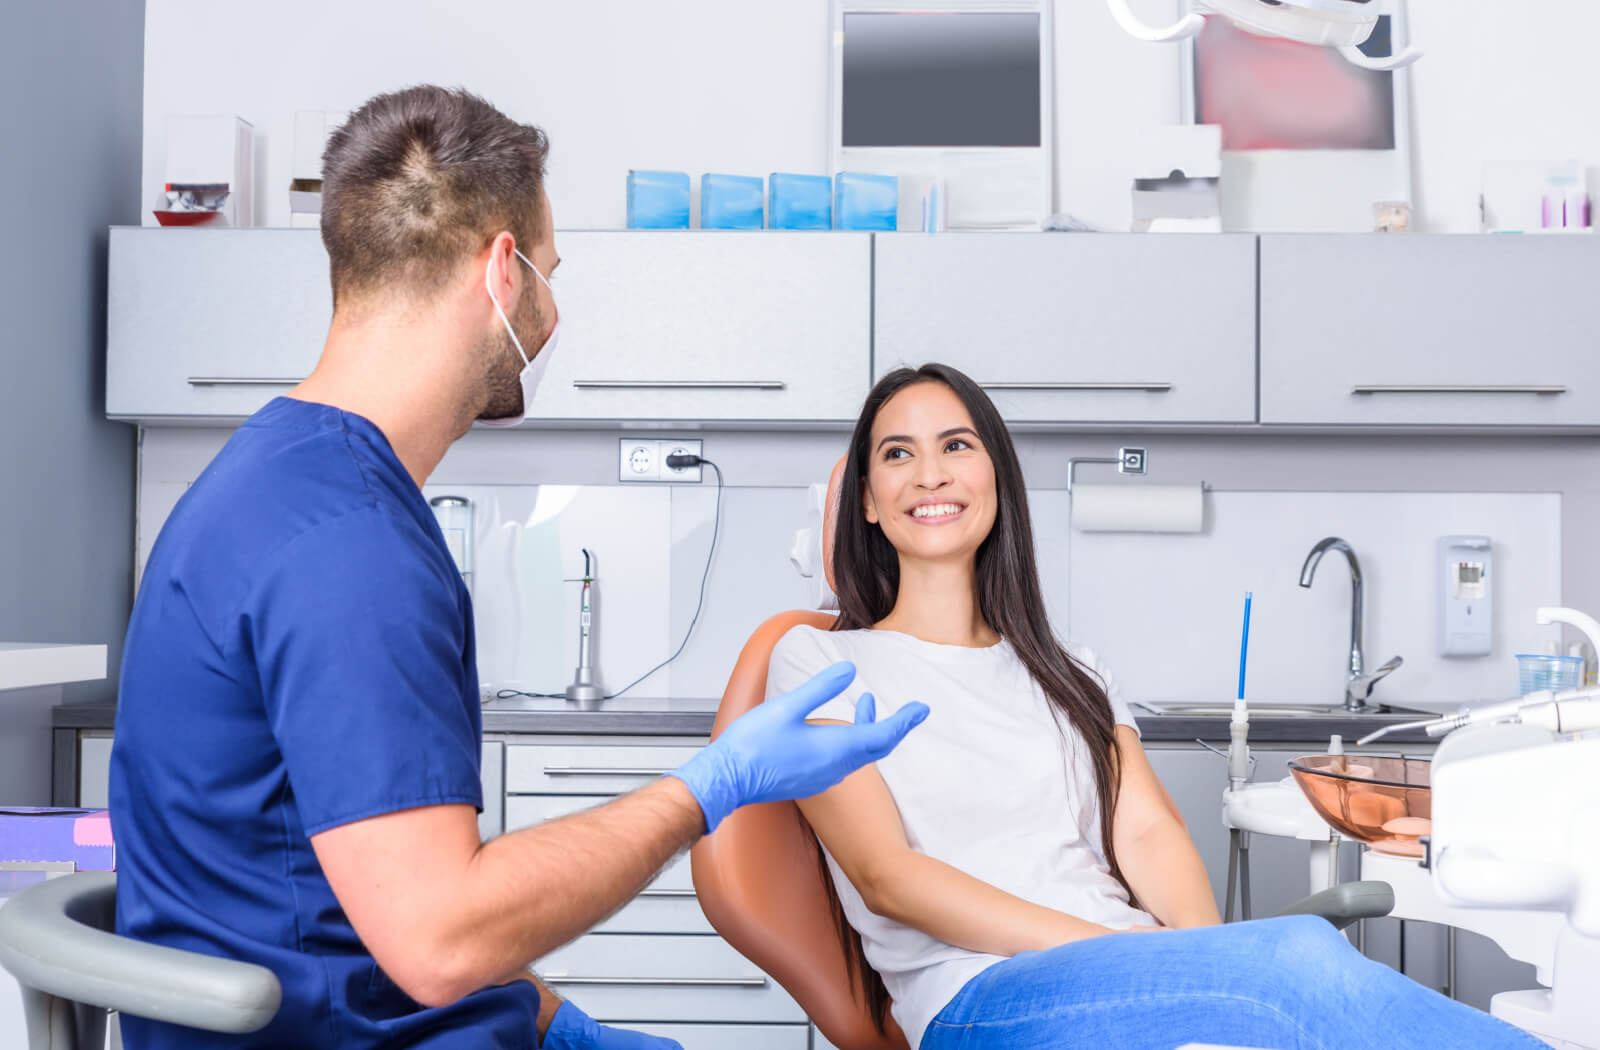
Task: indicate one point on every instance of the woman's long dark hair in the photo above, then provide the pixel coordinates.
(866, 575)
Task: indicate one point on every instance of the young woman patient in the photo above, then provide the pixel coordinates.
(983, 864)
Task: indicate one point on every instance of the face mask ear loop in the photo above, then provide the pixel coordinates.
(488, 286)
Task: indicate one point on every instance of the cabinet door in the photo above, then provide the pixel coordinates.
(763, 326)
(1070, 328)
(211, 323)
(729, 1036)
(667, 978)
(1438, 330)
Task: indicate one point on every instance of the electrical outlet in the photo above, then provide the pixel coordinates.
(667, 448)
(638, 460)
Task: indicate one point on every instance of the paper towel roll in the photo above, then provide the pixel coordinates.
(1138, 508)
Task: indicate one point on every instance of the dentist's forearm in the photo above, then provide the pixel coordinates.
(948, 904)
(1165, 871)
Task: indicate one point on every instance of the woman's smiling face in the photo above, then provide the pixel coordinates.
(930, 482)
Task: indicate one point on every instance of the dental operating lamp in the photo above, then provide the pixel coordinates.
(1344, 24)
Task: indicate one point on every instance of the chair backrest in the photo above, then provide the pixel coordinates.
(56, 938)
(758, 878)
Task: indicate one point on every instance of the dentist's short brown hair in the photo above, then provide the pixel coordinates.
(417, 181)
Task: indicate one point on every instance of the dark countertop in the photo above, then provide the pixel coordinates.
(646, 716)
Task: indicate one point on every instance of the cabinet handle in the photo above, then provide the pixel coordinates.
(680, 894)
(596, 771)
(680, 384)
(1449, 388)
(242, 381)
(1149, 388)
(662, 982)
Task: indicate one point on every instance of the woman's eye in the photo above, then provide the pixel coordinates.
(896, 453)
(956, 444)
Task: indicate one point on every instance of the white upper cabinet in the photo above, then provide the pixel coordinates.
(706, 326)
(211, 323)
(1066, 329)
(1433, 330)
(672, 326)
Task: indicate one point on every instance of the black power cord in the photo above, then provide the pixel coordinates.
(677, 461)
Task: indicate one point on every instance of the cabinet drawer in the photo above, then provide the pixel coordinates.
(711, 326)
(1432, 330)
(666, 978)
(211, 323)
(1064, 329)
(730, 1036)
(588, 769)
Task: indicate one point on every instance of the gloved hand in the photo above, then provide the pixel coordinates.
(770, 754)
(572, 1029)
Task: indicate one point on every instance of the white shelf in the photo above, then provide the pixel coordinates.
(24, 665)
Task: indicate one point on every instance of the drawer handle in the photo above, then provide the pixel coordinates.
(661, 982)
(242, 381)
(1149, 388)
(680, 894)
(599, 771)
(1448, 388)
(680, 384)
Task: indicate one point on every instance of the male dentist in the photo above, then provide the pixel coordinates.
(296, 774)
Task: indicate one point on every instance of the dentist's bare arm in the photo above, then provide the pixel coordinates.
(859, 823)
(1153, 846)
(445, 915)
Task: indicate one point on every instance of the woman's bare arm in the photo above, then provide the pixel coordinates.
(858, 822)
(1153, 846)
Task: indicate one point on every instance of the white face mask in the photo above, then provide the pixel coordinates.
(533, 368)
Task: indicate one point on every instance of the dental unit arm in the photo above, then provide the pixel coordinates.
(1345, 24)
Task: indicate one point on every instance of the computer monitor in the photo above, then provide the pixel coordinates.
(953, 89)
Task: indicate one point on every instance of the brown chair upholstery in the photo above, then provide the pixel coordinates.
(758, 878)
(760, 884)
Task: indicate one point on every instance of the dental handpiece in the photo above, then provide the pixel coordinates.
(1568, 711)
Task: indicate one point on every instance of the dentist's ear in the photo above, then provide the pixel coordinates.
(497, 275)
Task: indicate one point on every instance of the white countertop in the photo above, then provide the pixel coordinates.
(24, 665)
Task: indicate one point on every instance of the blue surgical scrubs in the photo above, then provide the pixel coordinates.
(300, 657)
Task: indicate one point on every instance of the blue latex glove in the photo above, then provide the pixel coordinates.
(770, 754)
(572, 1029)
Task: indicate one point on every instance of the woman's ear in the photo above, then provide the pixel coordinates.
(868, 509)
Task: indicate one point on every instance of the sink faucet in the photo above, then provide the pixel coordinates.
(1358, 687)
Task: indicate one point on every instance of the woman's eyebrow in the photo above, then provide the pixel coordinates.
(942, 435)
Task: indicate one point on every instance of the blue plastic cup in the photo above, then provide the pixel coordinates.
(1539, 671)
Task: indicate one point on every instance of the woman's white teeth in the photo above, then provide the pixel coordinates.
(935, 510)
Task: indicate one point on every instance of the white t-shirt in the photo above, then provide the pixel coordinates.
(993, 783)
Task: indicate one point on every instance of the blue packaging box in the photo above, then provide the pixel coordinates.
(799, 202)
(658, 200)
(730, 202)
(865, 202)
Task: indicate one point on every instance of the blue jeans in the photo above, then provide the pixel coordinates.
(1292, 983)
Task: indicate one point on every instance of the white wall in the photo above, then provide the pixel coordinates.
(1162, 610)
(741, 86)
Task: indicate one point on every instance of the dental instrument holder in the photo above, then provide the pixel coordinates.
(584, 687)
(1127, 461)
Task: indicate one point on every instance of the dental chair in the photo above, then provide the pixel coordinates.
(56, 939)
(760, 884)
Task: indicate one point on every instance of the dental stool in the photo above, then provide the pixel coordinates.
(760, 883)
(56, 939)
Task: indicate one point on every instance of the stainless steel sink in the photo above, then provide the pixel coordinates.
(1273, 711)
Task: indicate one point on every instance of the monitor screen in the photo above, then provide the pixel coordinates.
(946, 79)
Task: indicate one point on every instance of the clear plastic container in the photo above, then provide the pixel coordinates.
(1538, 671)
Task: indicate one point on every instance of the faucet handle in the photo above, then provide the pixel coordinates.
(1361, 686)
